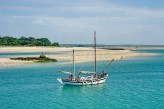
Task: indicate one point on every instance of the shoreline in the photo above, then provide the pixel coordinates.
(82, 54)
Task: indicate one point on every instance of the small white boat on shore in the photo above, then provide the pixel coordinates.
(81, 79)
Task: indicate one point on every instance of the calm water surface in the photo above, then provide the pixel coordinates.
(136, 83)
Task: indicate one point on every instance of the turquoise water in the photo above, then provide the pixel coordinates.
(136, 83)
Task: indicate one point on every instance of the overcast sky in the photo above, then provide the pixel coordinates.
(73, 21)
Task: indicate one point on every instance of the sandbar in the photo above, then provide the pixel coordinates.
(82, 54)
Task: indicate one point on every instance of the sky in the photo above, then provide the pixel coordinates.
(74, 21)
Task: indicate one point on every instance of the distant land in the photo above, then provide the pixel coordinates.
(31, 41)
(105, 45)
(24, 41)
(131, 47)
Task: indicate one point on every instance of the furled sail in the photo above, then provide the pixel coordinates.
(65, 72)
(87, 72)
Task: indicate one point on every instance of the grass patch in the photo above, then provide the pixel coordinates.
(45, 60)
(40, 59)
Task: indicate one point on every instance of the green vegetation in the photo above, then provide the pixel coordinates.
(55, 44)
(23, 41)
(106, 48)
(41, 59)
(46, 60)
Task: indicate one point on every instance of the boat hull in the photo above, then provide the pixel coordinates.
(80, 83)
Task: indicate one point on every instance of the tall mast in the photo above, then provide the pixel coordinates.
(73, 65)
(95, 49)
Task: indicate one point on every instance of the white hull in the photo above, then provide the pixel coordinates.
(81, 83)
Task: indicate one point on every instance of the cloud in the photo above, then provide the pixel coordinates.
(15, 7)
(40, 22)
(77, 20)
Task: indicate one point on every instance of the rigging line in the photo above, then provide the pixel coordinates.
(95, 64)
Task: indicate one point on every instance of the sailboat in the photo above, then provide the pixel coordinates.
(93, 77)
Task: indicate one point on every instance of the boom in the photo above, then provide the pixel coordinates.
(108, 65)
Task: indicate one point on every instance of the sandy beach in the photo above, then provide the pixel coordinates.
(82, 54)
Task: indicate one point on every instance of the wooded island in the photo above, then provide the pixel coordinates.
(23, 41)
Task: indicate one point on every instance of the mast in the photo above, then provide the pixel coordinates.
(95, 50)
(73, 65)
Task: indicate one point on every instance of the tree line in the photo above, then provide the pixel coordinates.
(23, 41)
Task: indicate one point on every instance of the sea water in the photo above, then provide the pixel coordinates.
(137, 83)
